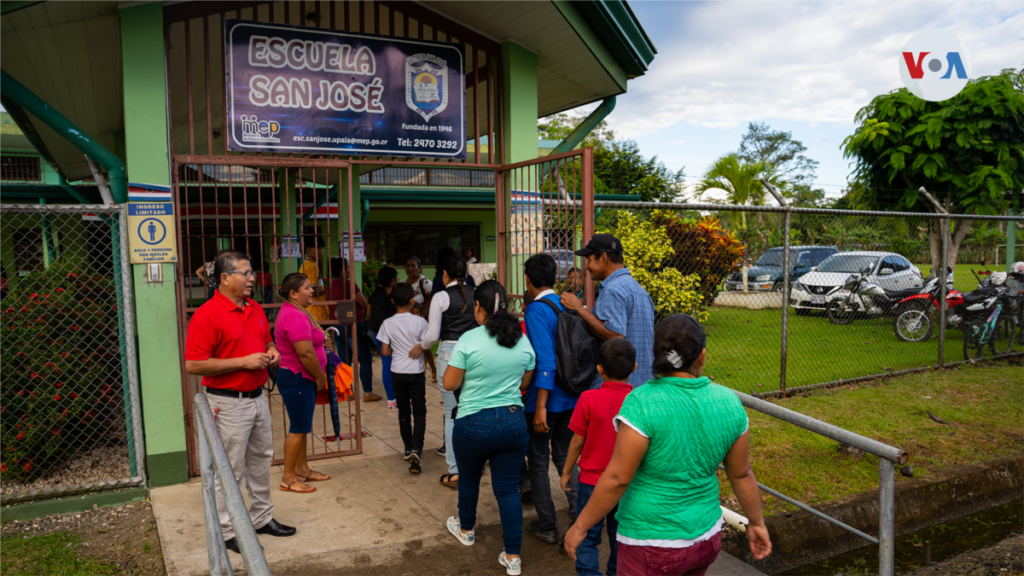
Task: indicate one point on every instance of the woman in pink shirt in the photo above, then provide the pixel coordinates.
(302, 373)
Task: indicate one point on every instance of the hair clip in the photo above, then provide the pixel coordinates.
(674, 359)
(497, 303)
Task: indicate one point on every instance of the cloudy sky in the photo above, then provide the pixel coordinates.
(805, 67)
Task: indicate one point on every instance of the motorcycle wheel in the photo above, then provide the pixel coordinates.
(1001, 341)
(973, 346)
(914, 324)
(841, 311)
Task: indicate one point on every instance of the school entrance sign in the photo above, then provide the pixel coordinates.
(313, 91)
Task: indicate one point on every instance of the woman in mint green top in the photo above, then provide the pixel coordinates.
(677, 429)
(491, 364)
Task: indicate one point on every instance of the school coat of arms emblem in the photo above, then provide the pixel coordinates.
(426, 84)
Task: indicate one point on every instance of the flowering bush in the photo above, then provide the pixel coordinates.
(648, 254)
(702, 248)
(61, 368)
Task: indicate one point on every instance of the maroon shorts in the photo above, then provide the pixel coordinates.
(657, 561)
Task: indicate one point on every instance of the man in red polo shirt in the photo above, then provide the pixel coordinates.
(229, 345)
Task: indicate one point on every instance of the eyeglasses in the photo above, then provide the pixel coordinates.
(248, 273)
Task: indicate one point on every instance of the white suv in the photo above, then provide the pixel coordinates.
(890, 271)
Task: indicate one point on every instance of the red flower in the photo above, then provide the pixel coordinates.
(9, 310)
(28, 467)
(72, 275)
(63, 354)
(74, 328)
(46, 295)
(21, 436)
(55, 430)
(21, 354)
(34, 375)
(21, 392)
(3, 467)
(59, 384)
(74, 396)
(34, 295)
(57, 397)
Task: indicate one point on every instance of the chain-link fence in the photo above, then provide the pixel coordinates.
(70, 404)
(808, 297)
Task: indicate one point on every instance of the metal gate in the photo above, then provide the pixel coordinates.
(546, 206)
(271, 214)
(70, 398)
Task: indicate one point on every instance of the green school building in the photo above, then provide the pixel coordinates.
(118, 103)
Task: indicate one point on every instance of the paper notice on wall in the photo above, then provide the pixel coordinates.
(359, 247)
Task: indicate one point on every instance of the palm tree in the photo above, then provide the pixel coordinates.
(741, 182)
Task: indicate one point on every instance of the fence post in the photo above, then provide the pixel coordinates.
(943, 291)
(787, 215)
(588, 217)
(886, 517)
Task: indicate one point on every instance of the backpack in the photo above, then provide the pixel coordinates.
(575, 352)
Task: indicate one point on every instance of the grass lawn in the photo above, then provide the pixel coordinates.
(743, 349)
(982, 406)
(51, 554)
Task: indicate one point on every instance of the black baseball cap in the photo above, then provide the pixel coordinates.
(601, 243)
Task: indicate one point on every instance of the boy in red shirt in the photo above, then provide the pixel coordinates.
(593, 443)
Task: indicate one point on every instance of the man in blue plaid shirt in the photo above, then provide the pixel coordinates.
(623, 308)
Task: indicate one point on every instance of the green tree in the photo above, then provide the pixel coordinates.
(619, 167)
(967, 150)
(741, 182)
(785, 155)
(559, 126)
(624, 170)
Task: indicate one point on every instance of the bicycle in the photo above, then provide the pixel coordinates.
(996, 332)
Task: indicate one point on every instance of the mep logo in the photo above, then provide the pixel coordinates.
(934, 65)
(255, 130)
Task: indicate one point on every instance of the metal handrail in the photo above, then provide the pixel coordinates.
(887, 457)
(213, 460)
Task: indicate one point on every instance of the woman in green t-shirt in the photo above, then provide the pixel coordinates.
(678, 428)
(491, 364)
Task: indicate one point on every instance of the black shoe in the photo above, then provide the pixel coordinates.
(414, 456)
(414, 466)
(441, 451)
(408, 454)
(275, 528)
(526, 492)
(546, 536)
(232, 544)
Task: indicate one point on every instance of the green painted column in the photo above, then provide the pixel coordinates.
(519, 68)
(519, 91)
(148, 161)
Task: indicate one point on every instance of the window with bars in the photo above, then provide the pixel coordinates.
(427, 177)
(20, 168)
(28, 249)
(395, 243)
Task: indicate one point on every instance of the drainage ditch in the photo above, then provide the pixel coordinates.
(930, 545)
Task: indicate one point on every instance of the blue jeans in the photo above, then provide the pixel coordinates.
(444, 351)
(385, 371)
(587, 560)
(344, 345)
(498, 435)
(299, 396)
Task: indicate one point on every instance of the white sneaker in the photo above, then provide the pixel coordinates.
(455, 527)
(513, 566)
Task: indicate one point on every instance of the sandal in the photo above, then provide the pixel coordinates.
(287, 487)
(446, 480)
(310, 478)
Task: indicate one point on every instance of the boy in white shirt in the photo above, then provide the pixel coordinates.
(398, 335)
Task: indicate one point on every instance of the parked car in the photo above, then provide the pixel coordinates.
(887, 269)
(766, 274)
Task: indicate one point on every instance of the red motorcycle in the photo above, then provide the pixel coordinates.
(915, 321)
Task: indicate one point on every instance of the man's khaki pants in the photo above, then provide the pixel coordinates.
(244, 427)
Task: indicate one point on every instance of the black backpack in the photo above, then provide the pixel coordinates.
(575, 352)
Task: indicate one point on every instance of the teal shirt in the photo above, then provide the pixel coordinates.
(691, 424)
(493, 372)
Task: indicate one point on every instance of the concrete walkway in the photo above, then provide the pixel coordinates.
(371, 513)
